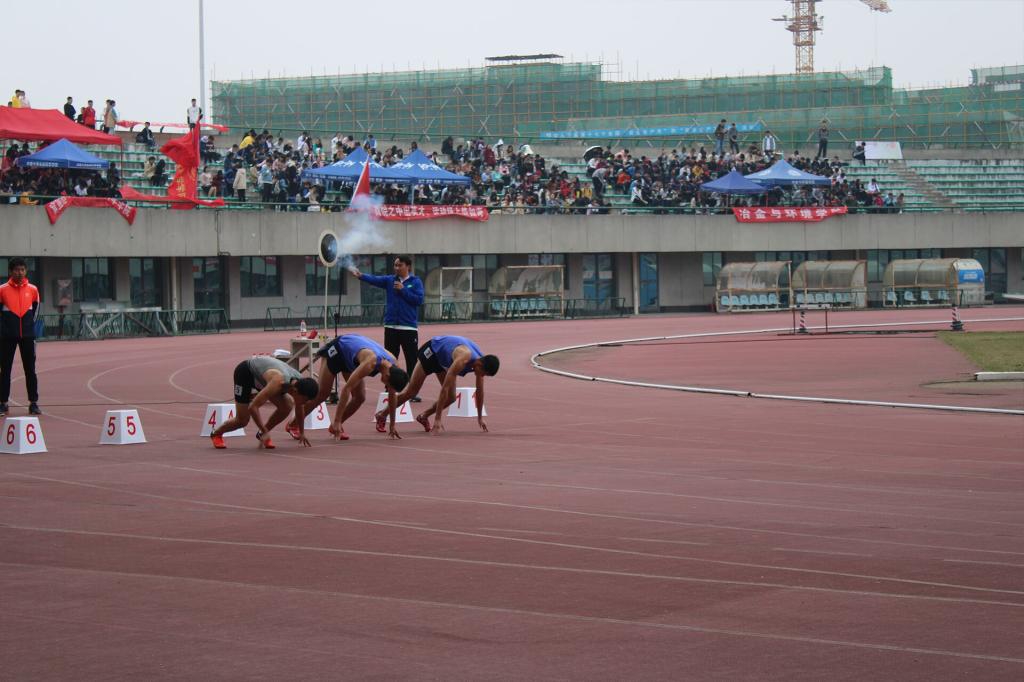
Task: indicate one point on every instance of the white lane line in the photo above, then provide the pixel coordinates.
(114, 401)
(667, 542)
(818, 551)
(514, 565)
(519, 530)
(986, 563)
(535, 361)
(507, 611)
(174, 384)
(562, 545)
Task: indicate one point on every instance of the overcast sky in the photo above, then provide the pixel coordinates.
(147, 56)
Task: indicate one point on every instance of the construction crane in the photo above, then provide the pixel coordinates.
(805, 23)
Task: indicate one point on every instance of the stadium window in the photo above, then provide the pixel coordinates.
(598, 276)
(260, 276)
(145, 276)
(31, 264)
(551, 259)
(92, 279)
(483, 266)
(993, 262)
(315, 275)
(712, 265)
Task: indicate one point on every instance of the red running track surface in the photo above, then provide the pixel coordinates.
(598, 532)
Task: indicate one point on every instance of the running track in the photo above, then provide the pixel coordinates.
(598, 532)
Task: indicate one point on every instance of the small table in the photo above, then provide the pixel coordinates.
(303, 353)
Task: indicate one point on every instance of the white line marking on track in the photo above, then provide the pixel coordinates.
(986, 563)
(606, 550)
(514, 565)
(667, 542)
(508, 611)
(171, 381)
(817, 551)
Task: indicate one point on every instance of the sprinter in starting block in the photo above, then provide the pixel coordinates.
(354, 357)
(276, 383)
(448, 358)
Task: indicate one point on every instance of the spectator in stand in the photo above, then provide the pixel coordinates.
(159, 174)
(822, 140)
(859, 154)
(109, 116)
(145, 136)
(266, 179)
(240, 182)
(88, 116)
(193, 114)
(734, 139)
(15, 101)
(768, 146)
(113, 180)
(205, 181)
(720, 138)
(69, 109)
(149, 169)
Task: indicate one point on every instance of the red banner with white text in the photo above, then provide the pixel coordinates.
(786, 214)
(56, 208)
(402, 212)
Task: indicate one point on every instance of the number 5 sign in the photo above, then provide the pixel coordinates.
(122, 427)
(21, 436)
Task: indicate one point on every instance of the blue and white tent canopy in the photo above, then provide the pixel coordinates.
(781, 174)
(348, 169)
(733, 183)
(63, 154)
(426, 172)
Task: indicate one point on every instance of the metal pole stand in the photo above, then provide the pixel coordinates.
(957, 325)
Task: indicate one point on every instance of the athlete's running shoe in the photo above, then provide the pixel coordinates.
(293, 431)
(218, 442)
(424, 422)
(382, 420)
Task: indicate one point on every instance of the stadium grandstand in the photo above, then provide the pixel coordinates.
(602, 177)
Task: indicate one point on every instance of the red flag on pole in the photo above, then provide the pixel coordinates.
(363, 185)
(184, 151)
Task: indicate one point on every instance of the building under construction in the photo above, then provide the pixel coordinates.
(535, 99)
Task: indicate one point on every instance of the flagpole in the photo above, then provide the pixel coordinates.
(202, 60)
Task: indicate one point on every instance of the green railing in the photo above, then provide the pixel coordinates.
(129, 323)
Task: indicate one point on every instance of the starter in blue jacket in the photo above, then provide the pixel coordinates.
(401, 303)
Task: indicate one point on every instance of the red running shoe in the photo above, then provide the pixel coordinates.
(293, 430)
(382, 421)
(267, 443)
(218, 442)
(424, 422)
(339, 434)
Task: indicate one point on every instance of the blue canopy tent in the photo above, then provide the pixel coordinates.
(347, 171)
(426, 172)
(733, 183)
(781, 174)
(64, 154)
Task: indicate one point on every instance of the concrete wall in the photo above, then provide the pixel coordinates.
(98, 232)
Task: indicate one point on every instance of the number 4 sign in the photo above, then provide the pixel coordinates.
(122, 427)
(21, 436)
(465, 403)
(218, 413)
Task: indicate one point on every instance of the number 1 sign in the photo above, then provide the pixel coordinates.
(465, 403)
(122, 427)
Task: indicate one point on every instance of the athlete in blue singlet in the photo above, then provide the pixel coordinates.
(448, 357)
(356, 357)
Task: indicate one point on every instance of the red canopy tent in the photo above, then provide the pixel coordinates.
(48, 124)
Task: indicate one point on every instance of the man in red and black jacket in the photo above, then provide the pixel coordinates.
(19, 303)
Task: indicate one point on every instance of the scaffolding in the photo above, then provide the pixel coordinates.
(522, 100)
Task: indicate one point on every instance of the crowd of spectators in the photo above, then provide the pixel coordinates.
(31, 185)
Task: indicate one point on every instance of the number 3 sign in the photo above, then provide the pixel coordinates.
(122, 427)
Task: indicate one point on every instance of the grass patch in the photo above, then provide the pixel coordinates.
(991, 351)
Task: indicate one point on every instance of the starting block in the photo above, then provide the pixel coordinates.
(317, 419)
(218, 413)
(465, 403)
(22, 436)
(122, 427)
(402, 414)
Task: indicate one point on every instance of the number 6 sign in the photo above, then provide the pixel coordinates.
(21, 436)
(122, 427)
